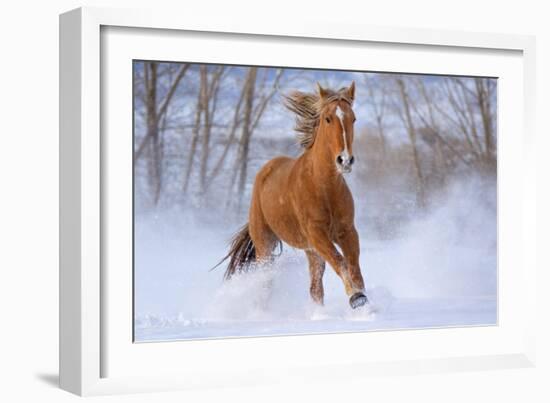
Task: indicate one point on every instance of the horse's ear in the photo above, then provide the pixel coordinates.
(351, 91)
(322, 92)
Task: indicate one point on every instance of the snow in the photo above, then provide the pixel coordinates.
(440, 271)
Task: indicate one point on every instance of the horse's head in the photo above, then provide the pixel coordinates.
(335, 131)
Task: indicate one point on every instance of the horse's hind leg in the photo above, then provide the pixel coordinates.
(316, 271)
(265, 242)
(262, 236)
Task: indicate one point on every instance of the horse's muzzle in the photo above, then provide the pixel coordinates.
(344, 162)
(343, 169)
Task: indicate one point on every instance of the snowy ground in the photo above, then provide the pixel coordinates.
(440, 272)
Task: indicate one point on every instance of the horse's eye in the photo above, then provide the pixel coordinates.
(327, 119)
(354, 119)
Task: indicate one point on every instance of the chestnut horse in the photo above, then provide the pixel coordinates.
(306, 202)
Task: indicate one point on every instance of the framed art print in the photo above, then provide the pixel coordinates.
(248, 195)
(408, 171)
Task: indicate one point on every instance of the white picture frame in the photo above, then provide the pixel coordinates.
(86, 345)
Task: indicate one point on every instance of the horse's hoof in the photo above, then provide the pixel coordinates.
(358, 299)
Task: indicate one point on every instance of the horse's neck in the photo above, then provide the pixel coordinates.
(323, 167)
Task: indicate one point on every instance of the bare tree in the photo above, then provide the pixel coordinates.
(205, 111)
(201, 96)
(377, 95)
(156, 112)
(255, 101)
(432, 133)
(484, 89)
(246, 130)
(235, 124)
(406, 118)
(471, 111)
(209, 107)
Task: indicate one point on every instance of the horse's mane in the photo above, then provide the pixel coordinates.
(308, 108)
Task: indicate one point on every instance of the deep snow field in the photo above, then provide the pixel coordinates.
(440, 271)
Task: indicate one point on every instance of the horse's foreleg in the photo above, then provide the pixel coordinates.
(316, 271)
(319, 239)
(348, 240)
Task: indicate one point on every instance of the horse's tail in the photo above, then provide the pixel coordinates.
(242, 253)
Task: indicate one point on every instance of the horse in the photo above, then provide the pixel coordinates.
(305, 202)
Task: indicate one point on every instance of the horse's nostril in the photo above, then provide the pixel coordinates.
(352, 160)
(339, 160)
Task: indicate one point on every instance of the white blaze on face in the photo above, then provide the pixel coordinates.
(340, 114)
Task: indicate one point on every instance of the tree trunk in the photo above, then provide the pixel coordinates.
(195, 139)
(232, 132)
(246, 131)
(484, 103)
(210, 101)
(155, 114)
(205, 145)
(411, 130)
(153, 129)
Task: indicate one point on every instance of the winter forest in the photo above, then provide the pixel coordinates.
(424, 186)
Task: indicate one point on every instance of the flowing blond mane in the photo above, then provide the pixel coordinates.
(308, 108)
